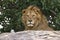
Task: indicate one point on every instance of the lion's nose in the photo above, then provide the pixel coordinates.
(30, 20)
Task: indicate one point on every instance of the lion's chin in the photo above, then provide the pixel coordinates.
(30, 25)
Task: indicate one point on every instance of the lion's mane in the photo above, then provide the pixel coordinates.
(40, 22)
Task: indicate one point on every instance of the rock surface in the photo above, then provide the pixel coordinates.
(31, 35)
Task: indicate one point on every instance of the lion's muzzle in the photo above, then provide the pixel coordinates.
(30, 23)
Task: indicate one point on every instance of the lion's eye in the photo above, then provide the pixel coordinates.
(33, 15)
(27, 15)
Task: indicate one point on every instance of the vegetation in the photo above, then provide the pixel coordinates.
(11, 12)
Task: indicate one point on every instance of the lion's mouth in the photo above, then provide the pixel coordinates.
(30, 25)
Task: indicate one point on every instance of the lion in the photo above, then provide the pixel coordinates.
(33, 19)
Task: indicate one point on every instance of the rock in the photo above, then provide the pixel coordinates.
(31, 35)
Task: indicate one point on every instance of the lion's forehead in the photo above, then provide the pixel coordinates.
(31, 13)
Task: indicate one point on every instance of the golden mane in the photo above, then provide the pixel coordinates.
(34, 14)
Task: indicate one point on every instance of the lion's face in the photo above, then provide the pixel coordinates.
(31, 18)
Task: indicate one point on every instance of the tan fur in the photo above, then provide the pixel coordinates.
(35, 14)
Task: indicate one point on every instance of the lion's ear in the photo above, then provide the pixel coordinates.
(36, 9)
(23, 11)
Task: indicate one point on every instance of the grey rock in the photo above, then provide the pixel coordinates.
(31, 35)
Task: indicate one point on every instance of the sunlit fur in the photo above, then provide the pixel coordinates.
(33, 19)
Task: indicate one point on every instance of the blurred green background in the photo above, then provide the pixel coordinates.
(11, 12)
